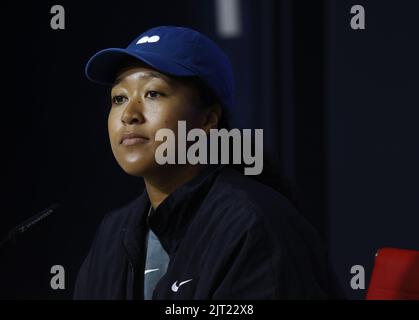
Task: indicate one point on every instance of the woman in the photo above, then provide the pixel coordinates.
(197, 231)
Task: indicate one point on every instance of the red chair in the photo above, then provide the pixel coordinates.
(395, 275)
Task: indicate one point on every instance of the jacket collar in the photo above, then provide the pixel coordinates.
(171, 218)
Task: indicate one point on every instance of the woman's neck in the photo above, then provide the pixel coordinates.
(159, 187)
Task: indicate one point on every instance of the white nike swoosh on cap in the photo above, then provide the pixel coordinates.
(150, 270)
(176, 287)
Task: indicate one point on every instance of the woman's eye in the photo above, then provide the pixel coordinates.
(118, 99)
(153, 94)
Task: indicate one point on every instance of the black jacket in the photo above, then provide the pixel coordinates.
(234, 237)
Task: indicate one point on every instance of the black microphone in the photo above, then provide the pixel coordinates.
(28, 224)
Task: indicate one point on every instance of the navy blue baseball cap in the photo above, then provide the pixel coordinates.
(172, 50)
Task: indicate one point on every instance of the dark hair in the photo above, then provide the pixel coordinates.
(208, 98)
(270, 175)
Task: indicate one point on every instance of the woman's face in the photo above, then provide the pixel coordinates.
(144, 101)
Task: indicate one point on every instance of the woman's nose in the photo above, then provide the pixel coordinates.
(133, 113)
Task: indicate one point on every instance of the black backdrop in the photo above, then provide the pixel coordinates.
(338, 108)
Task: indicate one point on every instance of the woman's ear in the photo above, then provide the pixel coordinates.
(212, 117)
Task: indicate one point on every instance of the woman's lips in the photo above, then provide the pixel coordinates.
(132, 138)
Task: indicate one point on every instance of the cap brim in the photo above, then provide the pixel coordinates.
(104, 65)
